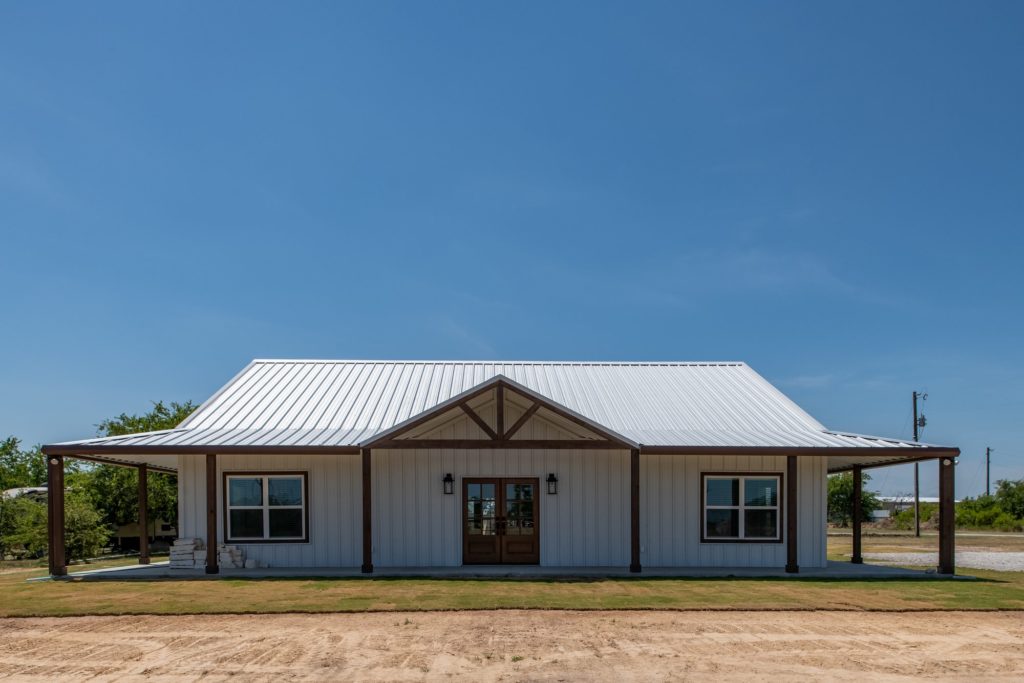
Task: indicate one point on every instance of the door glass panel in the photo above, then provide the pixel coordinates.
(480, 510)
(519, 509)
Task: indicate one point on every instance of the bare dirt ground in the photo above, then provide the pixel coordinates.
(519, 645)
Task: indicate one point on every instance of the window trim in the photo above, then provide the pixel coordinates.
(265, 473)
(780, 506)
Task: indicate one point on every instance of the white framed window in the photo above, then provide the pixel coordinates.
(741, 508)
(266, 507)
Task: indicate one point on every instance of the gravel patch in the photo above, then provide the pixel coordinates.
(997, 561)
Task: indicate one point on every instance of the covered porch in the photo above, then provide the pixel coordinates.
(835, 570)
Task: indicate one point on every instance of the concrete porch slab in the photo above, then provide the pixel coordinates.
(834, 570)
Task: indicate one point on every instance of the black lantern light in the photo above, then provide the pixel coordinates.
(449, 484)
(552, 483)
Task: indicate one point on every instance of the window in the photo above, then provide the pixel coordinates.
(266, 508)
(741, 507)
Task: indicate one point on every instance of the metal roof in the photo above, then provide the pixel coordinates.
(338, 403)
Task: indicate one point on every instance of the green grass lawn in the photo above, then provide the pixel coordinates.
(993, 590)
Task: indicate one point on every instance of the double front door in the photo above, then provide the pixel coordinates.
(500, 521)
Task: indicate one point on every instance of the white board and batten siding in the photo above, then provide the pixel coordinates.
(335, 512)
(586, 524)
(415, 524)
(671, 515)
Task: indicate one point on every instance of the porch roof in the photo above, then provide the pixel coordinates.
(310, 406)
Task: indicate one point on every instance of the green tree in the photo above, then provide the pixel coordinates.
(1010, 497)
(22, 527)
(115, 490)
(20, 468)
(85, 534)
(840, 499)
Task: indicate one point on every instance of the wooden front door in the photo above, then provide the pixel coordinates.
(500, 521)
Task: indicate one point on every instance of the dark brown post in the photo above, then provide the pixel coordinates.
(499, 421)
(858, 483)
(947, 516)
(792, 567)
(367, 515)
(634, 510)
(55, 514)
(211, 514)
(143, 517)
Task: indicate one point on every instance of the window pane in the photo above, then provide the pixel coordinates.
(761, 491)
(761, 524)
(723, 492)
(285, 523)
(246, 524)
(245, 491)
(473, 491)
(284, 491)
(487, 491)
(723, 523)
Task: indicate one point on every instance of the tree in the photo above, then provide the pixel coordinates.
(22, 527)
(115, 490)
(840, 499)
(1010, 497)
(20, 468)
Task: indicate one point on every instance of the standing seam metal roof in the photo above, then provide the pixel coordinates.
(344, 403)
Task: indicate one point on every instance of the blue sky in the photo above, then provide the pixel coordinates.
(832, 193)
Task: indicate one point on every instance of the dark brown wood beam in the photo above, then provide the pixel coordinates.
(143, 514)
(427, 417)
(557, 410)
(211, 514)
(634, 510)
(523, 419)
(55, 515)
(557, 444)
(486, 428)
(858, 485)
(367, 567)
(792, 565)
(499, 418)
(947, 516)
(905, 454)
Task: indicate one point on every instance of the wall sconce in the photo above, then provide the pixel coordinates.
(449, 484)
(552, 484)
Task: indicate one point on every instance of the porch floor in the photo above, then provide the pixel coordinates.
(834, 570)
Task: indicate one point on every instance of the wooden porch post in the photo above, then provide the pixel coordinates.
(211, 514)
(143, 516)
(55, 514)
(367, 567)
(947, 516)
(858, 483)
(792, 567)
(634, 510)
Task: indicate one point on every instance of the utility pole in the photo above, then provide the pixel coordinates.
(988, 459)
(918, 422)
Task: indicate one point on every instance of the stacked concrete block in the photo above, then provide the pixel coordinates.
(188, 553)
(230, 556)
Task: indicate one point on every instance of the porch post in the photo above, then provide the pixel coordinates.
(55, 514)
(947, 516)
(367, 567)
(634, 510)
(211, 514)
(858, 482)
(143, 517)
(792, 567)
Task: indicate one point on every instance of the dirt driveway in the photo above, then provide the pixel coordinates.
(516, 645)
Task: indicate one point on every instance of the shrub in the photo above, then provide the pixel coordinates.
(1007, 522)
(904, 519)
